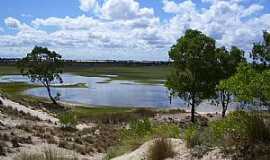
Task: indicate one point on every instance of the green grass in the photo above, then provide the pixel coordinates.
(142, 74)
(8, 70)
(15, 87)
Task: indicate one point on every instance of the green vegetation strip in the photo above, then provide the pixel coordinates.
(141, 74)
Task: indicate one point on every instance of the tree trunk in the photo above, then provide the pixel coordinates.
(193, 109)
(223, 111)
(50, 95)
(225, 98)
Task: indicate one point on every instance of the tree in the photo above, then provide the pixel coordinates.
(44, 66)
(249, 85)
(228, 62)
(193, 77)
(261, 52)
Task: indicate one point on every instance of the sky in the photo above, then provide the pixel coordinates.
(126, 29)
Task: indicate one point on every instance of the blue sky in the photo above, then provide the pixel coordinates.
(126, 29)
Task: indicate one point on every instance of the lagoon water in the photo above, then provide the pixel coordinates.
(102, 91)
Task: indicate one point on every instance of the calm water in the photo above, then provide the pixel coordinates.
(102, 92)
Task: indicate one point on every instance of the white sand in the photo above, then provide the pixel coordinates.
(40, 114)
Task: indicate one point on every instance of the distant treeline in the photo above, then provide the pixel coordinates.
(12, 61)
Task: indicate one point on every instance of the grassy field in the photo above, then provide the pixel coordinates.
(137, 73)
(8, 70)
(144, 74)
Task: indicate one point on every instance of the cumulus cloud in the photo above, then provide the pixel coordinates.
(228, 21)
(87, 5)
(173, 7)
(81, 22)
(12, 23)
(124, 9)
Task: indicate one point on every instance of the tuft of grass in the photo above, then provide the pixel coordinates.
(192, 136)
(161, 149)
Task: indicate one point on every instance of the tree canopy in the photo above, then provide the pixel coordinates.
(194, 61)
(249, 85)
(42, 65)
(261, 52)
(228, 62)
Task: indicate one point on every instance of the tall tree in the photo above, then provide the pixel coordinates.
(261, 52)
(193, 77)
(44, 66)
(228, 62)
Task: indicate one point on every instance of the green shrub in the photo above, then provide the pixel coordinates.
(161, 149)
(141, 127)
(192, 136)
(166, 130)
(241, 125)
(68, 119)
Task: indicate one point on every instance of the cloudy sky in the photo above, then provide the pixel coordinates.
(126, 29)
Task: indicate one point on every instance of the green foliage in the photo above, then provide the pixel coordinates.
(141, 127)
(42, 65)
(228, 62)
(68, 119)
(248, 84)
(166, 130)
(261, 51)
(192, 136)
(243, 125)
(160, 149)
(194, 75)
(237, 127)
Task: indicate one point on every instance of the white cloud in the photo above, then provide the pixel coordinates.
(124, 9)
(87, 5)
(252, 9)
(173, 7)
(13, 23)
(228, 21)
(81, 22)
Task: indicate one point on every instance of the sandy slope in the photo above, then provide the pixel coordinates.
(40, 114)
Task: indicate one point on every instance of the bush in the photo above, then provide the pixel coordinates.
(141, 127)
(161, 149)
(242, 126)
(68, 119)
(166, 130)
(192, 136)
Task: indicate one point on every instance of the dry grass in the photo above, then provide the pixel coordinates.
(161, 149)
(46, 154)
